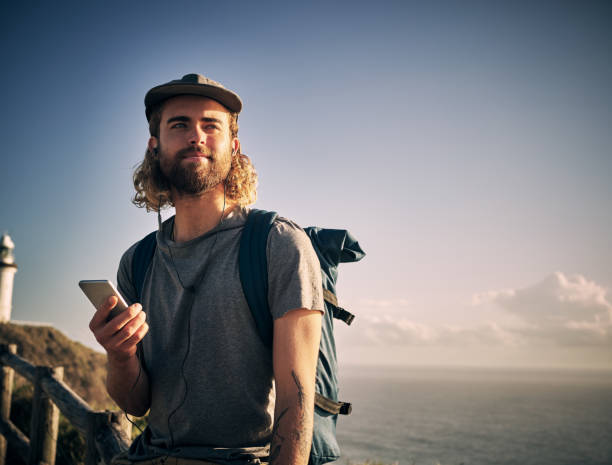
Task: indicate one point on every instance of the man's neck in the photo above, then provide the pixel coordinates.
(196, 215)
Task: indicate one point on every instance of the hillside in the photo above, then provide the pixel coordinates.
(84, 368)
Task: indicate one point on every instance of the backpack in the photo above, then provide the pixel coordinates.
(332, 246)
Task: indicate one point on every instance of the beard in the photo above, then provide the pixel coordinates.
(194, 178)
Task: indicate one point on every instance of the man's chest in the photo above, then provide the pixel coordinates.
(213, 314)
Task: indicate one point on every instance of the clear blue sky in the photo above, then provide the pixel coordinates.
(467, 145)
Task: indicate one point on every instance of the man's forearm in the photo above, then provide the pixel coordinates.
(293, 420)
(128, 385)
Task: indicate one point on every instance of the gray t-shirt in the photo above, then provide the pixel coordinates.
(211, 377)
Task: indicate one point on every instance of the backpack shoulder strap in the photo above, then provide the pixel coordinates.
(253, 266)
(141, 260)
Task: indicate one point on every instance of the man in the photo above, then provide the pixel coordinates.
(214, 392)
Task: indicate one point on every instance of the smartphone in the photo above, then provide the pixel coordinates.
(98, 291)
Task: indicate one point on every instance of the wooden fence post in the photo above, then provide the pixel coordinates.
(124, 424)
(45, 420)
(94, 419)
(106, 437)
(7, 374)
(95, 422)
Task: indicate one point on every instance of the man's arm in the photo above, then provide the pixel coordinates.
(127, 382)
(295, 352)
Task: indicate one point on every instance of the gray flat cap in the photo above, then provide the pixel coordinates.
(192, 84)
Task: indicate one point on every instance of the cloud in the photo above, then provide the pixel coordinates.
(569, 310)
(491, 296)
(385, 303)
(389, 331)
(560, 310)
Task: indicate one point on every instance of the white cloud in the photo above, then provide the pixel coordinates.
(384, 303)
(389, 331)
(569, 310)
(562, 310)
(490, 296)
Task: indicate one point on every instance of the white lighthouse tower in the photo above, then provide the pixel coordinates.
(8, 268)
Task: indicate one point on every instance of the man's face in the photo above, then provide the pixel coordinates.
(194, 144)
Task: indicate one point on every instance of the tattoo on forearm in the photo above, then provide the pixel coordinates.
(277, 424)
(275, 453)
(300, 389)
(293, 429)
(277, 439)
(301, 441)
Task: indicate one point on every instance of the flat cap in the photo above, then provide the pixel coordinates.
(192, 84)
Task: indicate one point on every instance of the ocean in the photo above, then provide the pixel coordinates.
(453, 416)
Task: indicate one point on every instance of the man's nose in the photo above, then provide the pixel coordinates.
(197, 136)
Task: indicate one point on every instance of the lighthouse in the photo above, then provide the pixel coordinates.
(8, 268)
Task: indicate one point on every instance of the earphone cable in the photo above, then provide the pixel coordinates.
(192, 292)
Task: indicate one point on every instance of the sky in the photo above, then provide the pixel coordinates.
(466, 145)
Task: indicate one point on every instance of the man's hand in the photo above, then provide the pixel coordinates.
(119, 336)
(295, 351)
(126, 381)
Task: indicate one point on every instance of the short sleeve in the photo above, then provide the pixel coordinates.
(124, 276)
(127, 290)
(294, 272)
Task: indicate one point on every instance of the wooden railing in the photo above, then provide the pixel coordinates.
(106, 433)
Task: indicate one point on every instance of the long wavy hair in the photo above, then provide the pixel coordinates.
(153, 192)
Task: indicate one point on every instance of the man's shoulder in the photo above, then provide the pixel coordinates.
(286, 232)
(283, 225)
(281, 231)
(125, 271)
(294, 271)
(128, 255)
(289, 244)
(124, 275)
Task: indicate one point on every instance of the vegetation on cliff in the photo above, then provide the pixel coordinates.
(84, 372)
(84, 368)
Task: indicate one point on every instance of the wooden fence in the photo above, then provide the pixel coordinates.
(106, 433)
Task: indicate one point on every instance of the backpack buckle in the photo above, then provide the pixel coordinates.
(346, 408)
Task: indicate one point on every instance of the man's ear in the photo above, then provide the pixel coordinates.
(235, 146)
(153, 144)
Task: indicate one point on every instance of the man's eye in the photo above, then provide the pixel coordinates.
(211, 127)
(179, 125)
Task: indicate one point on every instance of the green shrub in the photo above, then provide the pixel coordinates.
(70, 443)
